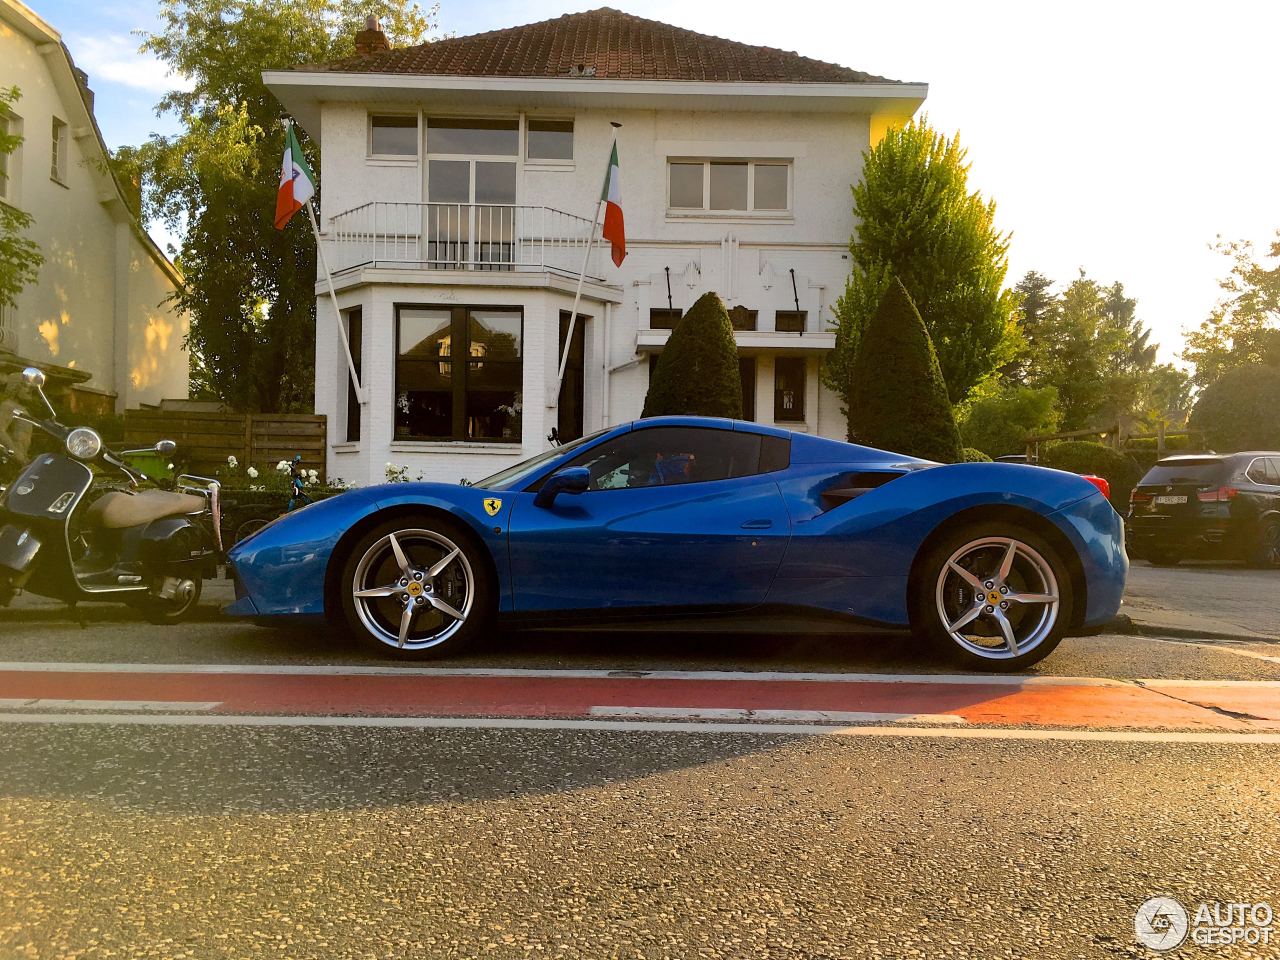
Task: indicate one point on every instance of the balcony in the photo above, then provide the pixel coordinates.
(462, 236)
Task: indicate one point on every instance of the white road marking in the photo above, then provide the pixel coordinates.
(641, 726)
(47, 703)
(797, 716)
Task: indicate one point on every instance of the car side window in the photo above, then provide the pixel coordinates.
(663, 456)
(1273, 471)
(1257, 472)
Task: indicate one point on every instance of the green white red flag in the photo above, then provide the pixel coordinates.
(297, 182)
(612, 198)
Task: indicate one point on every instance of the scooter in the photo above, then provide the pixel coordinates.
(69, 534)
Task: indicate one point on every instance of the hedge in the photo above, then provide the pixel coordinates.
(1087, 456)
(697, 372)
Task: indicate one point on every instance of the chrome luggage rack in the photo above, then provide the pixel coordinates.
(211, 489)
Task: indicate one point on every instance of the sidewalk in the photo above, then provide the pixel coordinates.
(1203, 601)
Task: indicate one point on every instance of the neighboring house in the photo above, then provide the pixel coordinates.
(459, 179)
(97, 319)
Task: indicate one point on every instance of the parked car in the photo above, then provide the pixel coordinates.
(682, 522)
(1209, 505)
(1017, 458)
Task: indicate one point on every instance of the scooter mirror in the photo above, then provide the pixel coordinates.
(33, 377)
(165, 447)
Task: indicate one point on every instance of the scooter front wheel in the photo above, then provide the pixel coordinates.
(171, 610)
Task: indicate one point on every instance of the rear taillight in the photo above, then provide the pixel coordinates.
(1221, 495)
(1101, 483)
(1137, 496)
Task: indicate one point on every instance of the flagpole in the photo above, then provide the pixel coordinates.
(361, 395)
(582, 276)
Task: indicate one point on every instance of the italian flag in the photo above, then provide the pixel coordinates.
(612, 199)
(297, 182)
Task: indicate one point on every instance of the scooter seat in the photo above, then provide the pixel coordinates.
(115, 511)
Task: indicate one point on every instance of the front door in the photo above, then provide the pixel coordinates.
(675, 519)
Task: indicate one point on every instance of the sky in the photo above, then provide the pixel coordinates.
(1122, 137)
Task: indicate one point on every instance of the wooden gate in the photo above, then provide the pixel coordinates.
(205, 440)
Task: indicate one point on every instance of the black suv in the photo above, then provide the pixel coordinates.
(1208, 505)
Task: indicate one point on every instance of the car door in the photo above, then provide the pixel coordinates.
(674, 519)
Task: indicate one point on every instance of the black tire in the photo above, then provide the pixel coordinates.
(248, 527)
(1037, 569)
(160, 611)
(466, 585)
(1163, 558)
(1266, 552)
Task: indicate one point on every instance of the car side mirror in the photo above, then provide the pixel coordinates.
(568, 480)
(165, 447)
(33, 377)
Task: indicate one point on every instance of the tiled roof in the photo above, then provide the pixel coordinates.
(617, 45)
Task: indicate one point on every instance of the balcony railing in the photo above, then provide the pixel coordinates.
(461, 236)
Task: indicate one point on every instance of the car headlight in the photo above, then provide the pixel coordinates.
(83, 443)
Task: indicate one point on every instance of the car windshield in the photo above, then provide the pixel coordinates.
(1206, 471)
(514, 476)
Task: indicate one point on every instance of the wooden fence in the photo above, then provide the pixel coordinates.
(205, 440)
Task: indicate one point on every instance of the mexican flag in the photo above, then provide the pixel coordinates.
(297, 182)
(612, 198)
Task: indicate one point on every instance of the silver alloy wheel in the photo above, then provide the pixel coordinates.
(998, 598)
(413, 589)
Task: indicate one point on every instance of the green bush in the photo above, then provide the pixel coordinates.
(1239, 410)
(897, 397)
(697, 372)
(1088, 456)
(973, 455)
(998, 424)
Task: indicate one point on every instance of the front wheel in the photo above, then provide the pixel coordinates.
(992, 597)
(417, 588)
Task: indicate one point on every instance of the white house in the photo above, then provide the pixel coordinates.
(98, 318)
(459, 181)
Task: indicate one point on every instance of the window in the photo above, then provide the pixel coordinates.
(459, 373)
(484, 138)
(393, 135)
(549, 140)
(789, 321)
(663, 318)
(788, 389)
(1273, 473)
(747, 373)
(8, 330)
(662, 456)
(729, 186)
(58, 161)
(740, 318)
(355, 327)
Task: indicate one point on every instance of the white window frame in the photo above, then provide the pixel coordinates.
(9, 124)
(59, 150)
(474, 158)
(705, 212)
(398, 159)
(545, 162)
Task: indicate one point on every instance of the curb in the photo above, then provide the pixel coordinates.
(1123, 623)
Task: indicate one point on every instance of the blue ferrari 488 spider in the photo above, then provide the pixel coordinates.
(697, 521)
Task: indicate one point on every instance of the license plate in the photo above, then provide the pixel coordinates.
(1171, 499)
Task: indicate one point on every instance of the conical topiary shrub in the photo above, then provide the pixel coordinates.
(697, 372)
(897, 397)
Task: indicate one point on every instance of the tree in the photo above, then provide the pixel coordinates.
(250, 289)
(1238, 410)
(919, 224)
(897, 397)
(1245, 326)
(20, 257)
(998, 423)
(697, 372)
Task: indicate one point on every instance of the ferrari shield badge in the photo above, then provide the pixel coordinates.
(492, 505)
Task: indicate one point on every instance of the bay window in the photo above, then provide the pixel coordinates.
(459, 373)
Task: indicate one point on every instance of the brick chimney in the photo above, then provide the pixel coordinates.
(371, 39)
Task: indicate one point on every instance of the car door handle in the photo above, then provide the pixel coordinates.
(757, 525)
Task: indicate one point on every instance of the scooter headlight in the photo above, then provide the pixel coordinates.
(83, 443)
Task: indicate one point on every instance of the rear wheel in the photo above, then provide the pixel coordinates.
(1267, 552)
(172, 609)
(417, 588)
(992, 597)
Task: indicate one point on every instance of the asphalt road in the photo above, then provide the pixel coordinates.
(147, 838)
(1217, 598)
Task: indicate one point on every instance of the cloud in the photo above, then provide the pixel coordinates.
(114, 57)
